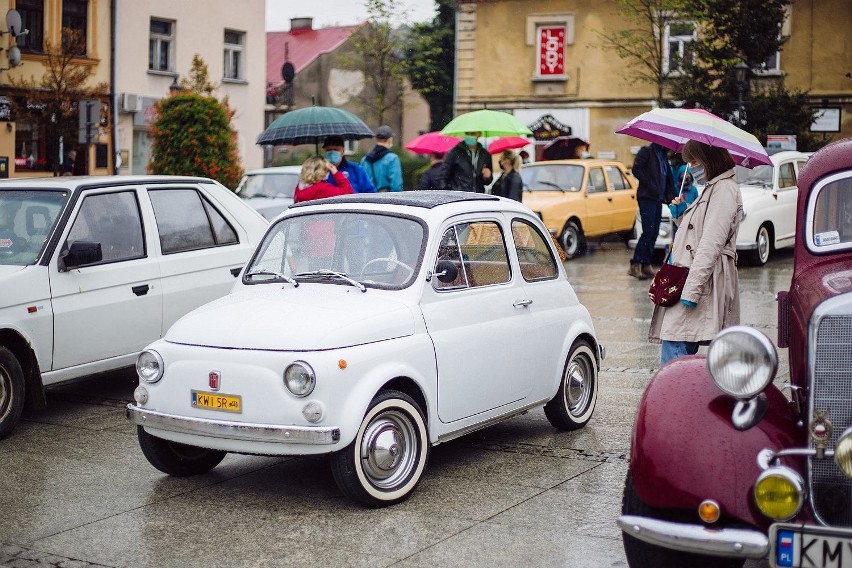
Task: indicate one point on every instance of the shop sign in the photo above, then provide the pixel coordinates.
(551, 50)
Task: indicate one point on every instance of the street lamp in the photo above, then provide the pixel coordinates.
(740, 76)
(174, 87)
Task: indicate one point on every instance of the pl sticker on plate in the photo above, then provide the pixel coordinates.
(827, 238)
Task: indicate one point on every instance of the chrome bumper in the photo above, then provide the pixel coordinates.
(737, 543)
(233, 430)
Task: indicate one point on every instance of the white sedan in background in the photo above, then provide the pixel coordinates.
(269, 190)
(769, 209)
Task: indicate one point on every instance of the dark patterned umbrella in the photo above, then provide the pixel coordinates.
(310, 125)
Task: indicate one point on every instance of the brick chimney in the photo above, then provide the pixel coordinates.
(301, 24)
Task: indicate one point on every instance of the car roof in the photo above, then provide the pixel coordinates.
(275, 170)
(787, 155)
(79, 183)
(425, 199)
(575, 162)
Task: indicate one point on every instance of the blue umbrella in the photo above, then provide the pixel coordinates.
(310, 125)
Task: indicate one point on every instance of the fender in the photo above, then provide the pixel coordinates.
(685, 449)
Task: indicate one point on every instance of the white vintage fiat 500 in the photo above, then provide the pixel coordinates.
(372, 327)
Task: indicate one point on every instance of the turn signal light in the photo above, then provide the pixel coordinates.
(709, 511)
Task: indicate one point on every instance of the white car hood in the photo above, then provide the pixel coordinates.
(311, 317)
(752, 192)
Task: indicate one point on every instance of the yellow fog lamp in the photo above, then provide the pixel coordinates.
(779, 493)
(843, 453)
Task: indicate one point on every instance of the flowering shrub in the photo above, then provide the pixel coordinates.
(191, 135)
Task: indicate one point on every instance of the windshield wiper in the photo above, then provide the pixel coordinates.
(549, 184)
(287, 279)
(328, 274)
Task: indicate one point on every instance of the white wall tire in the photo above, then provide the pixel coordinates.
(572, 406)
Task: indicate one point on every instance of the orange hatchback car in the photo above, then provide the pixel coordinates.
(582, 198)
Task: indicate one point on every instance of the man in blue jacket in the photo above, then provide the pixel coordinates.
(383, 166)
(334, 153)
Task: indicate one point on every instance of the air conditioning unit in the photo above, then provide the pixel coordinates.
(130, 102)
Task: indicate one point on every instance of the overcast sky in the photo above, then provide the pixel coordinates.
(337, 12)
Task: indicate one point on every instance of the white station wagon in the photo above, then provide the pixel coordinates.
(372, 327)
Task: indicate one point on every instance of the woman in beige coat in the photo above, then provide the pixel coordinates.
(706, 243)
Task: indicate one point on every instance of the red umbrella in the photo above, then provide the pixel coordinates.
(432, 142)
(507, 143)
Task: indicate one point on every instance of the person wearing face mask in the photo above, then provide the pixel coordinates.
(706, 243)
(467, 166)
(656, 186)
(334, 153)
(510, 184)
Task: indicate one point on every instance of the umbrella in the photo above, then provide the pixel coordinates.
(507, 143)
(432, 142)
(310, 125)
(563, 148)
(673, 127)
(489, 122)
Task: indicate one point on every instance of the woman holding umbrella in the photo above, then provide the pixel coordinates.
(706, 243)
(510, 184)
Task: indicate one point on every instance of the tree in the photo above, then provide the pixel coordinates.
(54, 98)
(430, 56)
(191, 133)
(198, 80)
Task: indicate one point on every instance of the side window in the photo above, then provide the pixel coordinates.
(449, 250)
(479, 252)
(596, 181)
(113, 220)
(537, 262)
(616, 178)
(786, 176)
(186, 221)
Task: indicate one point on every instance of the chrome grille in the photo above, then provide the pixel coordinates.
(832, 390)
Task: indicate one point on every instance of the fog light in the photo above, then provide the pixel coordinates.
(843, 453)
(779, 493)
(312, 412)
(140, 395)
(709, 511)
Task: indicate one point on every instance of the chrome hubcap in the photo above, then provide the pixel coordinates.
(763, 244)
(5, 393)
(577, 386)
(387, 449)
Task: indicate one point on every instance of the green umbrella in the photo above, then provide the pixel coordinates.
(489, 122)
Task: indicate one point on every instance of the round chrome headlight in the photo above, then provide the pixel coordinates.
(742, 361)
(843, 452)
(779, 493)
(149, 366)
(299, 378)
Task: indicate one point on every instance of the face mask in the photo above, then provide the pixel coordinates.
(333, 156)
(470, 140)
(698, 174)
(585, 155)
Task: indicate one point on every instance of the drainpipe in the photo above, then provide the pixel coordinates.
(116, 154)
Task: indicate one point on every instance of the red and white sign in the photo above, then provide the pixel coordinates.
(551, 50)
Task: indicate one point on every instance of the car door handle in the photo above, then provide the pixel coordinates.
(522, 303)
(235, 272)
(140, 290)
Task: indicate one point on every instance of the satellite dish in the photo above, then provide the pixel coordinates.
(288, 72)
(13, 23)
(14, 55)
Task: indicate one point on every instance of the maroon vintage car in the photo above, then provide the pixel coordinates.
(724, 466)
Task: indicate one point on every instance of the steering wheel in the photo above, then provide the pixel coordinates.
(392, 261)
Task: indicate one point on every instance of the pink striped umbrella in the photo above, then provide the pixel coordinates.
(673, 127)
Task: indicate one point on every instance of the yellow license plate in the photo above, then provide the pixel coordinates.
(214, 401)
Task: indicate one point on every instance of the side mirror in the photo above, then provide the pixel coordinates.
(80, 253)
(446, 271)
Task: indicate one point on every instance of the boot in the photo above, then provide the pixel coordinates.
(636, 271)
(648, 270)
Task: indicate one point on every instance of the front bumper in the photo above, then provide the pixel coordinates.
(231, 430)
(698, 539)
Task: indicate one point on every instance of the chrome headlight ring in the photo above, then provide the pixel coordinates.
(742, 361)
(300, 379)
(149, 366)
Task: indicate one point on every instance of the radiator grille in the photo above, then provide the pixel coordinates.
(832, 390)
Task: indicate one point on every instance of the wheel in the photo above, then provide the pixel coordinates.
(573, 241)
(641, 554)
(178, 460)
(11, 392)
(392, 261)
(385, 461)
(572, 406)
(763, 242)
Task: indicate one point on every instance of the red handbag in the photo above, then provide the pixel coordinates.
(667, 285)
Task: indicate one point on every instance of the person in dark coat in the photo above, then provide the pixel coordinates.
(510, 184)
(433, 178)
(656, 186)
(467, 166)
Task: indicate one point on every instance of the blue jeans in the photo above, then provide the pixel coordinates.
(650, 212)
(674, 349)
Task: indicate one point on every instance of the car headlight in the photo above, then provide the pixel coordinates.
(299, 378)
(843, 452)
(779, 493)
(149, 366)
(742, 361)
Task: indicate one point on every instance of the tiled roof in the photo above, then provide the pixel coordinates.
(303, 46)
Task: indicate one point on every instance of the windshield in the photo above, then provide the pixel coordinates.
(759, 175)
(378, 251)
(552, 177)
(268, 185)
(829, 215)
(26, 220)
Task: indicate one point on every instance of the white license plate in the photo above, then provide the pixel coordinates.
(805, 546)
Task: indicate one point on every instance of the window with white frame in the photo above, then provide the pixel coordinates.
(234, 54)
(678, 37)
(161, 45)
(771, 65)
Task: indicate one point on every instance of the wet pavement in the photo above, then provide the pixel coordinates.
(75, 490)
